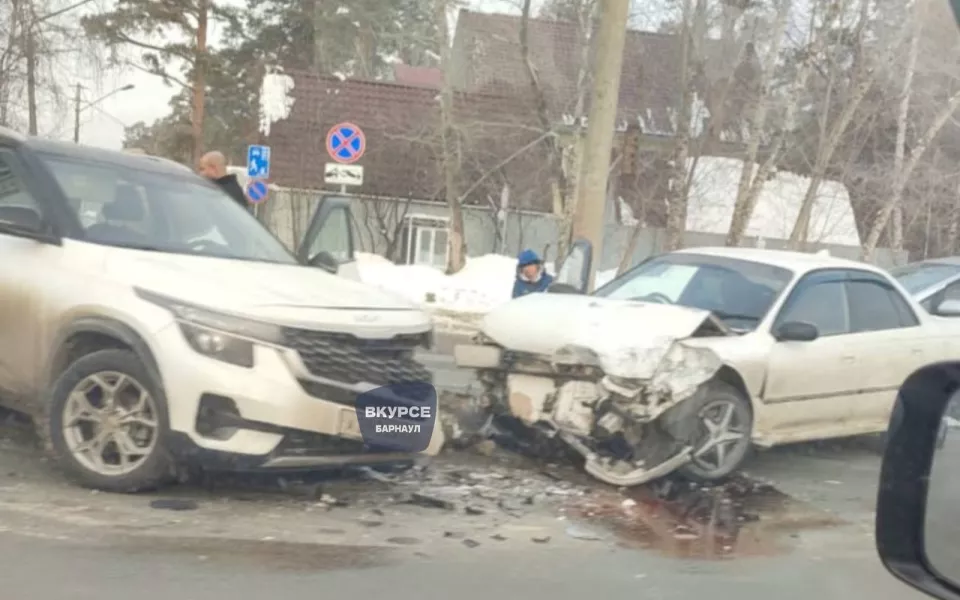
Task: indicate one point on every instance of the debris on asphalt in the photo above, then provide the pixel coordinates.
(375, 475)
(498, 537)
(369, 522)
(582, 533)
(173, 504)
(473, 510)
(471, 543)
(741, 517)
(511, 510)
(403, 540)
(429, 501)
(541, 539)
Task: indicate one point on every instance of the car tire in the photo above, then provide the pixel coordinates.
(711, 402)
(139, 411)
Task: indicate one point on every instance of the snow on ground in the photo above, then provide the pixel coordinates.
(714, 190)
(485, 282)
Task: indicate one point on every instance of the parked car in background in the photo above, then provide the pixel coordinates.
(691, 358)
(934, 283)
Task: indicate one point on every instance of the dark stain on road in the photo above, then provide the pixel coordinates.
(739, 519)
(267, 554)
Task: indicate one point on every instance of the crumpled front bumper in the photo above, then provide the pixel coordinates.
(564, 391)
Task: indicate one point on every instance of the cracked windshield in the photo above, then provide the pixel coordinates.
(452, 298)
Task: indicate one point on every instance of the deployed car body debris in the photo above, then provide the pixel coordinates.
(602, 381)
(692, 357)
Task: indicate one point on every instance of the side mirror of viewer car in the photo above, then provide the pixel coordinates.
(918, 506)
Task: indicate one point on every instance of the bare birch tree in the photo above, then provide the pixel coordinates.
(752, 179)
(692, 33)
(843, 83)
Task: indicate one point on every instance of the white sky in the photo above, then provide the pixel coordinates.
(103, 125)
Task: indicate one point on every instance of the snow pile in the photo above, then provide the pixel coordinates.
(484, 283)
(275, 100)
(714, 191)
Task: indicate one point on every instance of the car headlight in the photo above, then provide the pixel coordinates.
(220, 336)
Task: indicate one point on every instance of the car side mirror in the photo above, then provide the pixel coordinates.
(918, 516)
(796, 331)
(324, 260)
(20, 220)
(948, 308)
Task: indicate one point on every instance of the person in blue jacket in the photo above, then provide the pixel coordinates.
(531, 276)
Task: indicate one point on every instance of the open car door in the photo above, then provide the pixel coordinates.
(573, 272)
(328, 243)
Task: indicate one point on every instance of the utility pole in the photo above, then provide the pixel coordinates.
(76, 115)
(601, 124)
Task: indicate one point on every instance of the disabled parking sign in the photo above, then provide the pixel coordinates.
(398, 417)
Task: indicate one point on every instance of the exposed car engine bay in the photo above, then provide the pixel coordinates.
(630, 417)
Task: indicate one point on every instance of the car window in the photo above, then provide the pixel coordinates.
(917, 277)
(333, 237)
(740, 292)
(130, 207)
(952, 292)
(666, 279)
(822, 304)
(876, 307)
(13, 190)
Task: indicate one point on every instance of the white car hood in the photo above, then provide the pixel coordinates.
(631, 339)
(247, 286)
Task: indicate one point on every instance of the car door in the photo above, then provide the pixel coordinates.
(889, 342)
(328, 243)
(24, 259)
(807, 380)
(573, 272)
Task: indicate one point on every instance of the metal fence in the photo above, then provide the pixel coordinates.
(410, 231)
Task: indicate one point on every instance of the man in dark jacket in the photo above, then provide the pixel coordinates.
(531, 276)
(213, 166)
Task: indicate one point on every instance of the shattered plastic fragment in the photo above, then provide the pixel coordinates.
(582, 533)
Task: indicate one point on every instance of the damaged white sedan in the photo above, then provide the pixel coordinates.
(691, 358)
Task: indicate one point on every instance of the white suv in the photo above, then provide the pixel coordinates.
(176, 329)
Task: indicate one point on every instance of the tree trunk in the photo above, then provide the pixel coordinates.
(751, 183)
(30, 51)
(199, 81)
(903, 176)
(903, 116)
(677, 184)
(832, 133)
(560, 187)
(953, 229)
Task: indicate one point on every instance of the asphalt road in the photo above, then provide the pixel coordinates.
(508, 531)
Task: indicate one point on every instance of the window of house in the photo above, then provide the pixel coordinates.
(425, 241)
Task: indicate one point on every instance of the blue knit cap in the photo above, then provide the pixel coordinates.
(528, 257)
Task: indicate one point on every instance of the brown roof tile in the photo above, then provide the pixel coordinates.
(488, 57)
(402, 129)
(428, 77)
